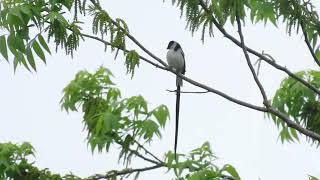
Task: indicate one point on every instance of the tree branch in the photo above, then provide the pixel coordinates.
(259, 55)
(306, 40)
(244, 49)
(270, 109)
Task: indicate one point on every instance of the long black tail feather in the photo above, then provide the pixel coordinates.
(177, 120)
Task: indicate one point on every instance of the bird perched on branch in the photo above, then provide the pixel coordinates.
(176, 61)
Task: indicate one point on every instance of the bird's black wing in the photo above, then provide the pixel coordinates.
(184, 63)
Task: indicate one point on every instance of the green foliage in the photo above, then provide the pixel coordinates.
(21, 17)
(132, 60)
(263, 11)
(15, 164)
(108, 117)
(103, 23)
(196, 17)
(299, 102)
(313, 178)
(293, 13)
(198, 165)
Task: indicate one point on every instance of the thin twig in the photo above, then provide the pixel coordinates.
(189, 92)
(139, 155)
(244, 49)
(147, 151)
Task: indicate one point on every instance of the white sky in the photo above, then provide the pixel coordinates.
(30, 109)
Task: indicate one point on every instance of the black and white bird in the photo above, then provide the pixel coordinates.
(176, 61)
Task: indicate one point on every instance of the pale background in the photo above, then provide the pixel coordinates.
(30, 109)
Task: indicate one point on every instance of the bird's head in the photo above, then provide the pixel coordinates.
(174, 45)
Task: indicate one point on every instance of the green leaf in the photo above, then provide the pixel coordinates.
(313, 177)
(3, 47)
(136, 176)
(21, 58)
(26, 10)
(149, 129)
(169, 159)
(38, 50)
(43, 43)
(31, 59)
(16, 12)
(318, 54)
(162, 114)
(15, 64)
(232, 171)
(132, 61)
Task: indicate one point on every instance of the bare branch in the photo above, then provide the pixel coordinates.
(306, 40)
(244, 49)
(148, 152)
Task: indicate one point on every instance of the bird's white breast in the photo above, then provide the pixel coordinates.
(175, 60)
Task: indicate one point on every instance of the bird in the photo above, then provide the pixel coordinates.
(176, 61)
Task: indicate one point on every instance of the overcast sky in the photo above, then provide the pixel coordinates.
(30, 109)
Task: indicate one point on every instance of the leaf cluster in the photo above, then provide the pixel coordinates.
(116, 30)
(299, 102)
(199, 164)
(109, 118)
(19, 18)
(15, 164)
